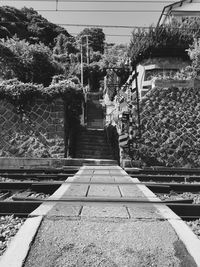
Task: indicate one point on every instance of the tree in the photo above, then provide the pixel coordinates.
(96, 38)
(28, 62)
(65, 45)
(29, 25)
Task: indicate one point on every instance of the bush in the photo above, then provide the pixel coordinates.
(194, 54)
(163, 41)
(27, 62)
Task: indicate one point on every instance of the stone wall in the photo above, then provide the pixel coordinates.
(37, 132)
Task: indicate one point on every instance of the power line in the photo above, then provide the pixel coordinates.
(98, 11)
(107, 34)
(119, 26)
(83, 25)
(100, 25)
(97, 1)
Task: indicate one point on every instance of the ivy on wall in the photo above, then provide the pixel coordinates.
(21, 94)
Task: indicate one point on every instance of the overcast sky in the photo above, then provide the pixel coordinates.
(143, 13)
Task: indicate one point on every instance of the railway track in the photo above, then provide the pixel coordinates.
(20, 183)
(16, 201)
(47, 181)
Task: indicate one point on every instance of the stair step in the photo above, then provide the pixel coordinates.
(95, 152)
(92, 135)
(90, 144)
(93, 157)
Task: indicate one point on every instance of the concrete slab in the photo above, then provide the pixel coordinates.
(101, 172)
(104, 191)
(76, 190)
(104, 212)
(107, 243)
(102, 178)
(64, 210)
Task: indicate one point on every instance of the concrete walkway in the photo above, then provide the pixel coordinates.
(106, 234)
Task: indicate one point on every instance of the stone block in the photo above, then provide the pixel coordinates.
(51, 135)
(8, 115)
(52, 128)
(2, 110)
(42, 130)
(53, 115)
(56, 121)
(35, 108)
(60, 134)
(14, 118)
(44, 124)
(60, 114)
(43, 106)
(2, 120)
(33, 116)
(59, 128)
(39, 120)
(40, 112)
(7, 125)
(45, 115)
(9, 106)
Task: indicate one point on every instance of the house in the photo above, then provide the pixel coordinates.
(184, 8)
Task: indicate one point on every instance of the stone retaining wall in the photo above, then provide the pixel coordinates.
(37, 132)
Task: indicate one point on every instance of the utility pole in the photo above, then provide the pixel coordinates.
(81, 63)
(87, 47)
(87, 55)
(138, 103)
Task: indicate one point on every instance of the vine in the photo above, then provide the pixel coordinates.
(21, 94)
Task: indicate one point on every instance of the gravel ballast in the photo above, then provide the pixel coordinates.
(9, 226)
(193, 224)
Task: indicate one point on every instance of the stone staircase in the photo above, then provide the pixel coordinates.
(92, 144)
(94, 112)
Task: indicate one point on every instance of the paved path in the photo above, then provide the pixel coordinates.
(105, 234)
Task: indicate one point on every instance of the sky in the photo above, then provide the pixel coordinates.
(132, 13)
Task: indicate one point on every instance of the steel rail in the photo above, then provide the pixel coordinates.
(179, 207)
(35, 175)
(123, 200)
(154, 170)
(28, 183)
(156, 187)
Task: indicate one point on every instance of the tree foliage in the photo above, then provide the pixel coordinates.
(27, 62)
(96, 38)
(29, 25)
(65, 45)
(164, 41)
